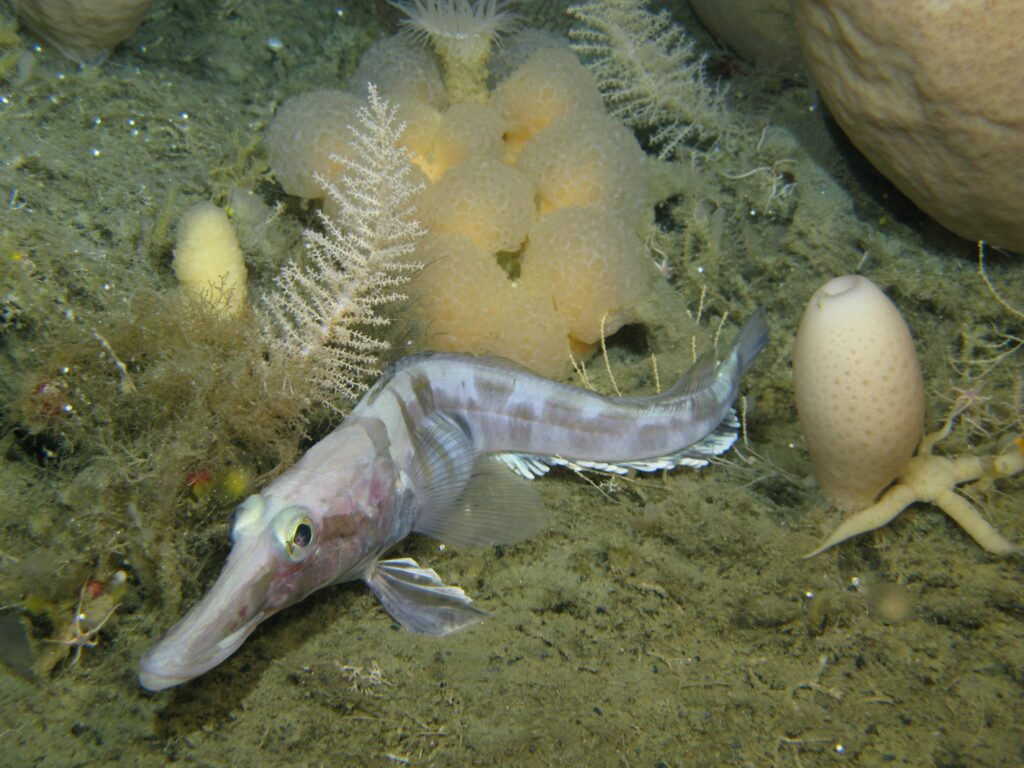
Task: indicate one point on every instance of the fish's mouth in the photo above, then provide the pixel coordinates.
(215, 627)
(179, 657)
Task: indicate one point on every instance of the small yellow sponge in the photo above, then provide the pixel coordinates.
(208, 262)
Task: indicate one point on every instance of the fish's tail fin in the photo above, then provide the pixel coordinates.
(702, 374)
(752, 339)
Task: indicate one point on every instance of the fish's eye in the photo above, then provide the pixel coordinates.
(295, 532)
(297, 544)
(298, 538)
(303, 534)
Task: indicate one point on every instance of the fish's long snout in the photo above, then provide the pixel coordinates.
(214, 628)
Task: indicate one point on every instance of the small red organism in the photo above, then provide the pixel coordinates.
(94, 588)
(200, 482)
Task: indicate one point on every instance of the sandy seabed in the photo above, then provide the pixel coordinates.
(659, 621)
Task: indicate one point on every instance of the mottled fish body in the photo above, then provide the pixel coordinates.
(429, 450)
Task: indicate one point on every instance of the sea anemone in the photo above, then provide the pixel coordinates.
(461, 33)
(457, 22)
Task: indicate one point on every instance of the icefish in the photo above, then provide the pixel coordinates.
(429, 450)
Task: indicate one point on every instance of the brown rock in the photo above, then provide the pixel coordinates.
(932, 92)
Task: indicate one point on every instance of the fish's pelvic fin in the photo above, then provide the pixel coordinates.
(418, 600)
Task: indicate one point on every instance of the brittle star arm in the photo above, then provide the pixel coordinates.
(970, 519)
(878, 514)
(982, 468)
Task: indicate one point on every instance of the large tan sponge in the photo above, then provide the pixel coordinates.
(85, 31)
(932, 92)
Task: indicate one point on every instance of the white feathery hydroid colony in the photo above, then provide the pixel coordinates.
(649, 71)
(319, 313)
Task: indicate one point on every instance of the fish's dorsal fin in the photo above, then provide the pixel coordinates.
(470, 500)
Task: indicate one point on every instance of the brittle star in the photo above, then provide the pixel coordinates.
(934, 479)
(80, 637)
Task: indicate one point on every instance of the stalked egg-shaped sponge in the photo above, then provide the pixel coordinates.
(859, 390)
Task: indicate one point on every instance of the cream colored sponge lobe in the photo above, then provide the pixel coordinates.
(591, 265)
(466, 302)
(467, 129)
(306, 134)
(859, 390)
(551, 83)
(589, 161)
(487, 201)
(458, 280)
(400, 72)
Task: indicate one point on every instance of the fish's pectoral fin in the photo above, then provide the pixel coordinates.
(495, 507)
(418, 600)
(443, 459)
(469, 500)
